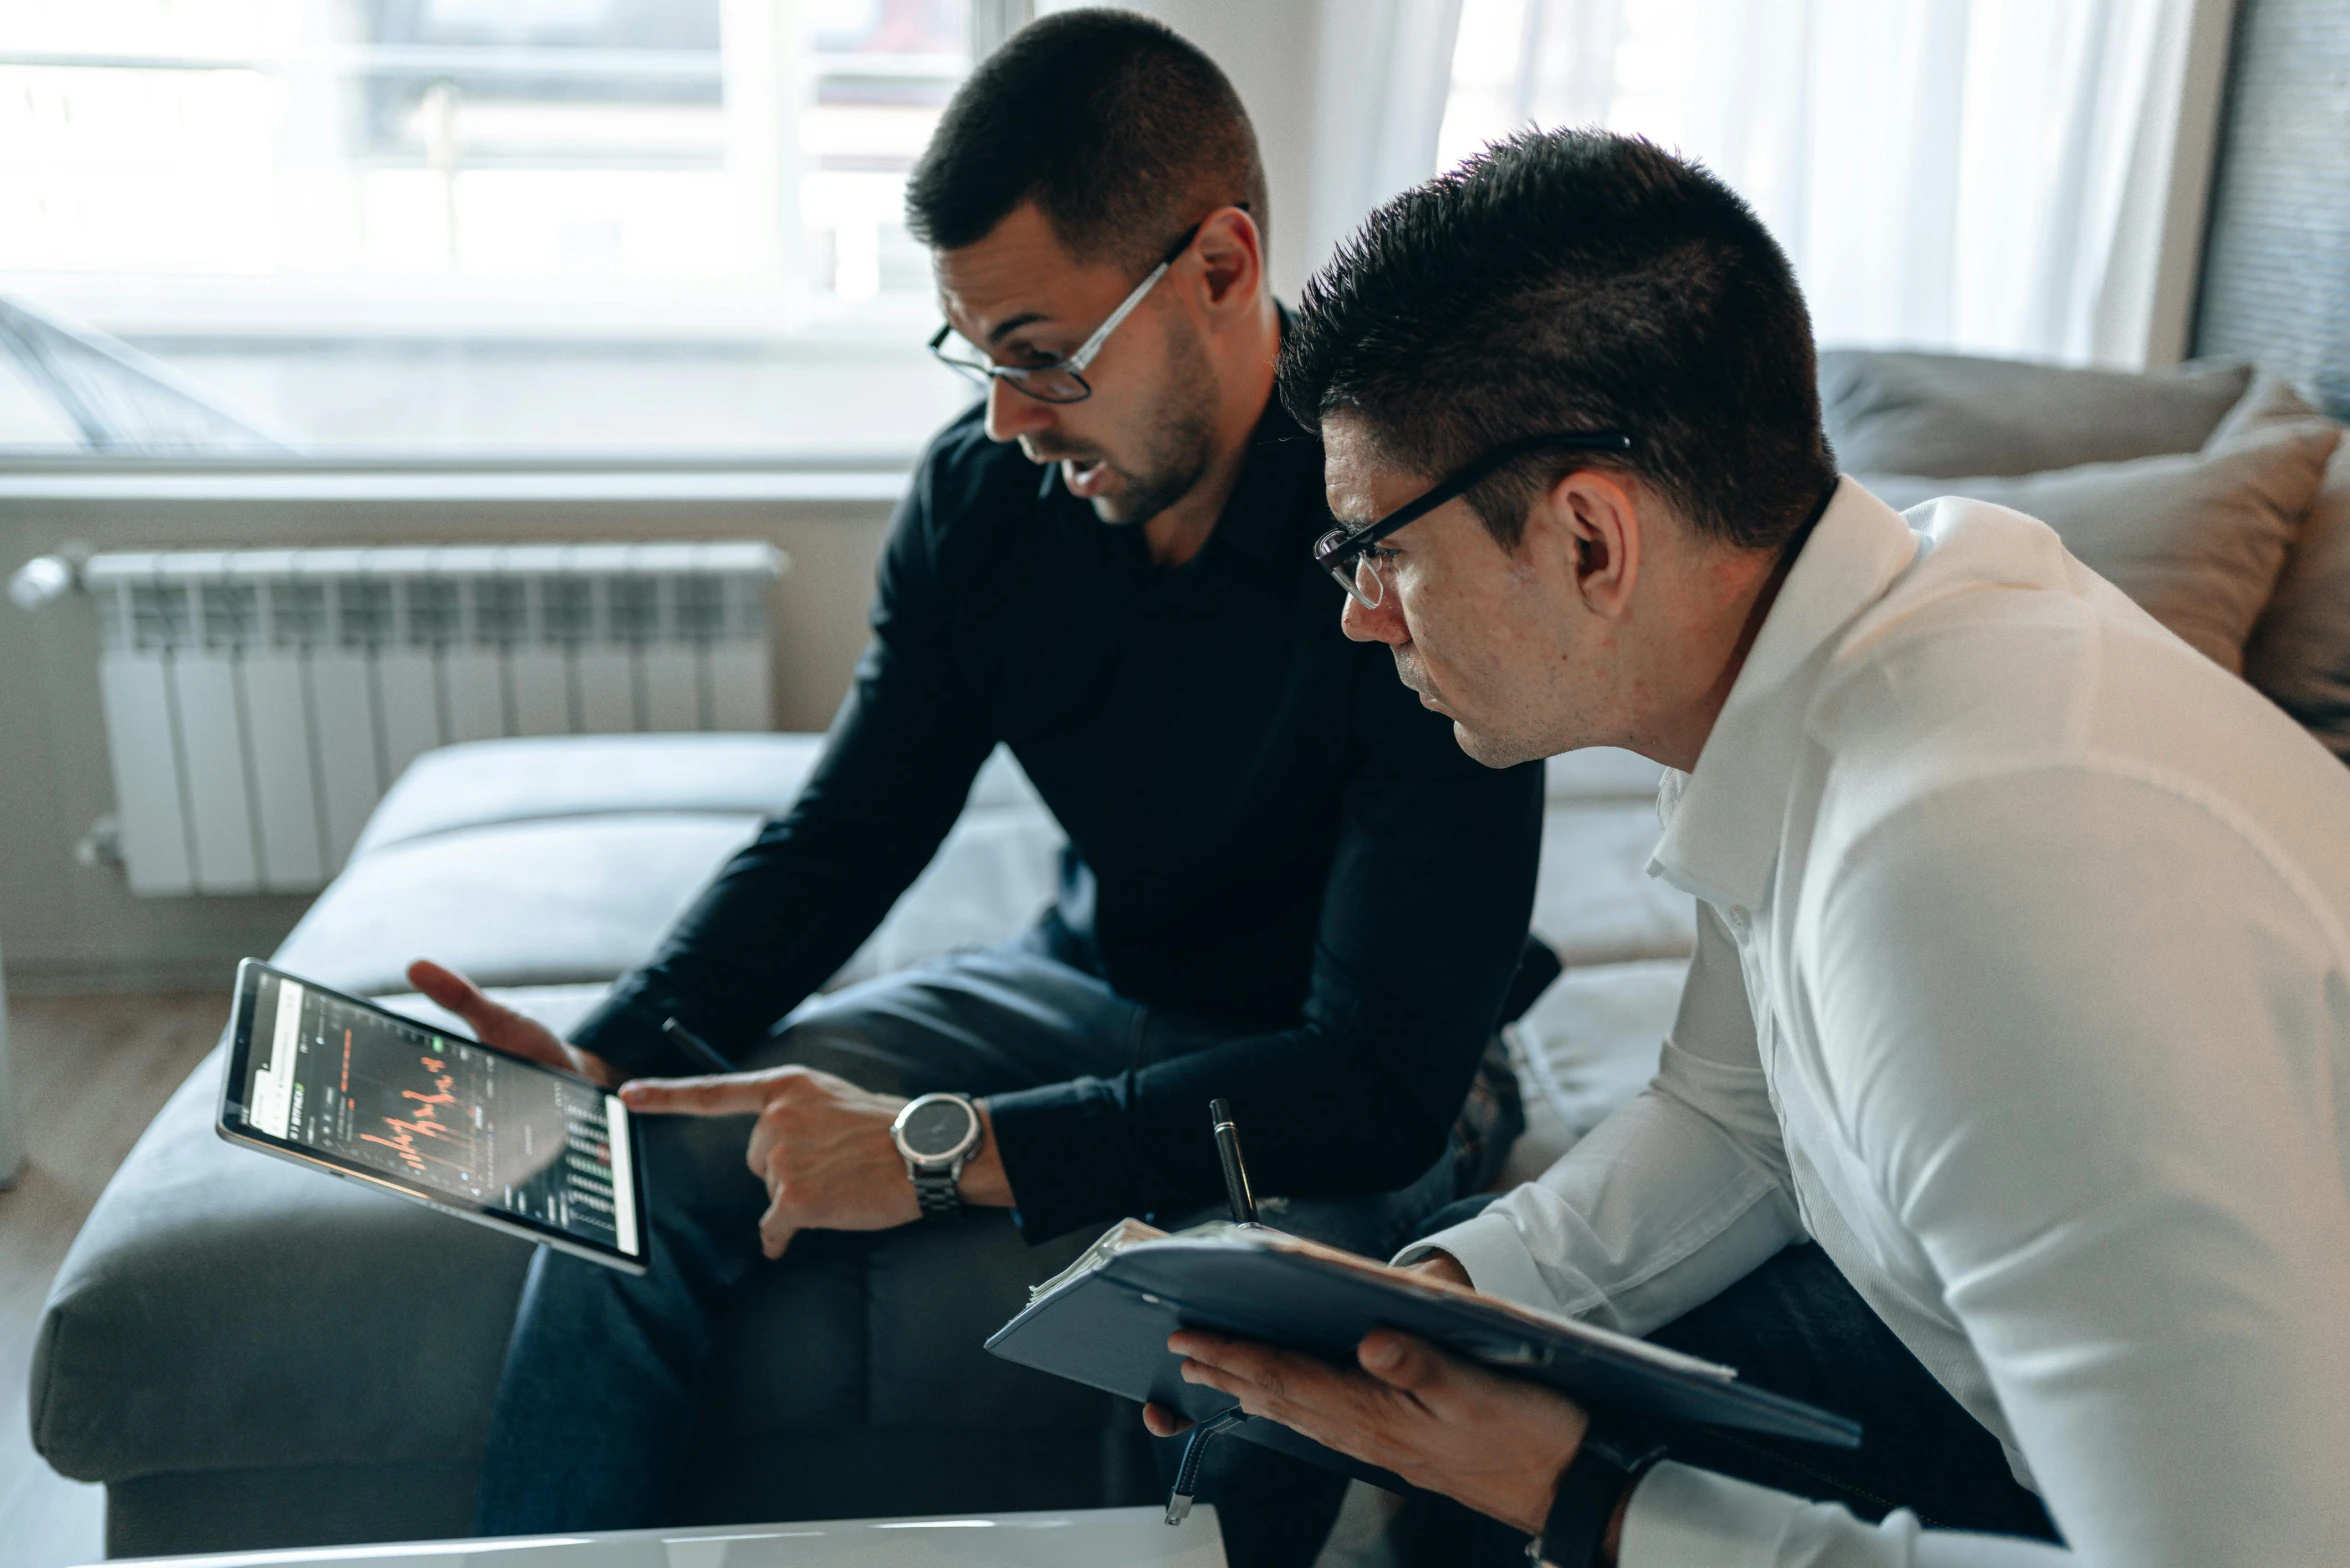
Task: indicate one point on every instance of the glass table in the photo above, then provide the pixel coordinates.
(1082, 1538)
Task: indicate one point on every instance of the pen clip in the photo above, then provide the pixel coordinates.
(693, 1045)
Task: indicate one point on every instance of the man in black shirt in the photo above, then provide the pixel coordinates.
(1285, 885)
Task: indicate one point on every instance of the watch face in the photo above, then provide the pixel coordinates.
(935, 1128)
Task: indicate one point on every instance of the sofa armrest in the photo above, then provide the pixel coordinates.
(213, 1295)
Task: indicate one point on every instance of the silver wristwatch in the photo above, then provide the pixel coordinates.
(937, 1135)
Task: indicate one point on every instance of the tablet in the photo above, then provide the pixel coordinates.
(349, 1088)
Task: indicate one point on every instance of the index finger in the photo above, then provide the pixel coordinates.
(720, 1094)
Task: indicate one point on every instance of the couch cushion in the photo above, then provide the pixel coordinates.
(567, 900)
(2299, 654)
(990, 881)
(559, 1007)
(1595, 901)
(2197, 539)
(1945, 415)
(1586, 1047)
(485, 782)
(606, 840)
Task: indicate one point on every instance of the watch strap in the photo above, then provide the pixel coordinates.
(1607, 1465)
(938, 1189)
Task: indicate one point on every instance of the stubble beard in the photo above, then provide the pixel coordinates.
(1181, 442)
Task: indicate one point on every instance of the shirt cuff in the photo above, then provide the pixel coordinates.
(1683, 1517)
(1064, 1148)
(625, 1030)
(1495, 1255)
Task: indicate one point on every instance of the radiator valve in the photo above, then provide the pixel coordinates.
(45, 579)
(102, 845)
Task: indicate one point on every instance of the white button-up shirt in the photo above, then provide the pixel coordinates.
(2022, 986)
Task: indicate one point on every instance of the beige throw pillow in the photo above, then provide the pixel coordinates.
(2299, 654)
(2195, 538)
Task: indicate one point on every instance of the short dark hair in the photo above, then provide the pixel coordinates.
(1575, 280)
(1119, 130)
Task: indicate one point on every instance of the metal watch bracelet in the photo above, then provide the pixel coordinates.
(939, 1192)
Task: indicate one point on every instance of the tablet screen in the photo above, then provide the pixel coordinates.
(448, 1119)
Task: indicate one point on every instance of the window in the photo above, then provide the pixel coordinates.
(486, 226)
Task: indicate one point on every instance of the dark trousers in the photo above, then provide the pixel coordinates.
(604, 1374)
(1797, 1327)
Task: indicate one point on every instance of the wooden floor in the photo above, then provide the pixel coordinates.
(90, 1073)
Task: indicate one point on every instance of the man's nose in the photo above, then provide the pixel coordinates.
(1012, 413)
(1365, 624)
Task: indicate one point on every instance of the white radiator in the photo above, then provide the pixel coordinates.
(259, 702)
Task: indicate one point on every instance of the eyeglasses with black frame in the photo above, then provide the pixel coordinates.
(1062, 381)
(1353, 555)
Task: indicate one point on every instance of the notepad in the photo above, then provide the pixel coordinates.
(1104, 1321)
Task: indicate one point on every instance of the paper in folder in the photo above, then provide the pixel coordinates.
(1105, 1319)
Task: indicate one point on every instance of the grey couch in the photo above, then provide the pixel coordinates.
(249, 1354)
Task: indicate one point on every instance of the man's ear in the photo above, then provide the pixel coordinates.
(1232, 259)
(1592, 524)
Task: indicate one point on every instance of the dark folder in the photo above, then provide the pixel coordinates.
(1104, 1321)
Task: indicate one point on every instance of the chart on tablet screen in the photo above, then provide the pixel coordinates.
(400, 1098)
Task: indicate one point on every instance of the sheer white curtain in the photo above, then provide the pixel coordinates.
(1382, 89)
(1994, 176)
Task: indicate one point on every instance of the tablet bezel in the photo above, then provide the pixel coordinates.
(234, 1124)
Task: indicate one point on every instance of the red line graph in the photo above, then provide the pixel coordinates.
(411, 1136)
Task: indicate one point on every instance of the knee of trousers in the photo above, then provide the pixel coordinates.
(697, 1172)
(848, 1042)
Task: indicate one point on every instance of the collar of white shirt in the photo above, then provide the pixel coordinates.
(1722, 819)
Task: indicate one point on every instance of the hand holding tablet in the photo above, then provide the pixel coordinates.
(501, 1028)
(344, 1086)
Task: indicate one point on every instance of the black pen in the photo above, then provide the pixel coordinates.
(694, 1046)
(1244, 1203)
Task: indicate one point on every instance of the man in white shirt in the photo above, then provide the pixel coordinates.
(2023, 970)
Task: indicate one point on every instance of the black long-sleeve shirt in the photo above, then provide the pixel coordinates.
(1266, 831)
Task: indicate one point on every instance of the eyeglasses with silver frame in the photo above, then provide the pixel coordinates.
(1062, 381)
(1353, 555)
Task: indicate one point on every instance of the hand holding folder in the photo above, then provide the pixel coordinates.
(1106, 1319)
